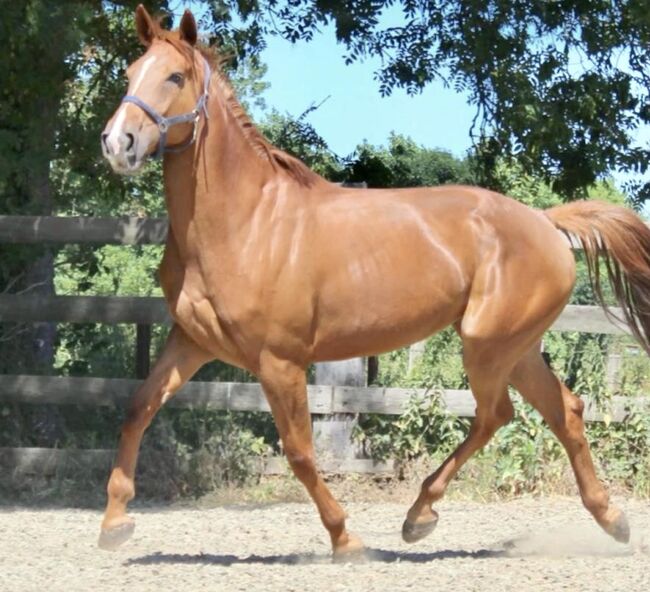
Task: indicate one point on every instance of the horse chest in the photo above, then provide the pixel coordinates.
(188, 303)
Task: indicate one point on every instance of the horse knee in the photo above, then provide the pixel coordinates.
(134, 425)
(486, 424)
(139, 416)
(574, 408)
(566, 421)
(302, 464)
(300, 460)
(484, 430)
(575, 405)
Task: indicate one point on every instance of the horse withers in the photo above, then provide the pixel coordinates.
(270, 268)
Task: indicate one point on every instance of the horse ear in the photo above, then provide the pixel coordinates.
(144, 25)
(187, 28)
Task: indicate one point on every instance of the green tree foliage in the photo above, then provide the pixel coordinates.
(561, 86)
(62, 74)
(299, 138)
(402, 163)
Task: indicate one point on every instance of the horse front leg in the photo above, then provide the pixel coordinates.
(180, 359)
(285, 386)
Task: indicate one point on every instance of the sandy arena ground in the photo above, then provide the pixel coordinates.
(540, 545)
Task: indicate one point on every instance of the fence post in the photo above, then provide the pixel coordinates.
(416, 353)
(373, 370)
(333, 433)
(613, 367)
(142, 351)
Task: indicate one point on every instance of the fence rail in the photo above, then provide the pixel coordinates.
(49, 461)
(126, 230)
(243, 396)
(151, 310)
(237, 397)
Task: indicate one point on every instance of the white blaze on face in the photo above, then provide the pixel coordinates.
(113, 138)
(143, 72)
(116, 131)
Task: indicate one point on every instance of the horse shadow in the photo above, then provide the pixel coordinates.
(549, 544)
(369, 556)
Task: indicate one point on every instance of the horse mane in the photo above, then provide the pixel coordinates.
(297, 169)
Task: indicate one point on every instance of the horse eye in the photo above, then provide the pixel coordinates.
(176, 78)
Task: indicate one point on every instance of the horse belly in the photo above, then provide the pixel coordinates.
(365, 316)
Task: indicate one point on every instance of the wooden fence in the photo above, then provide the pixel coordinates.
(342, 396)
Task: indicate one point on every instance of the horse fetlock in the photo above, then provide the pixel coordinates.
(120, 488)
(433, 493)
(598, 505)
(347, 546)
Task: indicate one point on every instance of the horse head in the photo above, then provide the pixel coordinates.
(167, 95)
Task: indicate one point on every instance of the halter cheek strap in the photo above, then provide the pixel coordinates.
(164, 123)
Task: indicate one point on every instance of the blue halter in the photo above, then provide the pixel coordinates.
(164, 123)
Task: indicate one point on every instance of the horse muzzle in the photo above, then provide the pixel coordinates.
(126, 150)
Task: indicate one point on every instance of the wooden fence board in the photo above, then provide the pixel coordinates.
(27, 308)
(459, 402)
(151, 310)
(320, 398)
(67, 390)
(47, 461)
(123, 230)
(590, 319)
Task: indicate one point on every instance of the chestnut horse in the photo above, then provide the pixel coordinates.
(269, 267)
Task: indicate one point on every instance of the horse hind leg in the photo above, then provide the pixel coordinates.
(490, 353)
(504, 317)
(488, 378)
(562, 411)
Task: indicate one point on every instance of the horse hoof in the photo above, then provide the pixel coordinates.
(414, 531)
(112, 538)
(619, 529)
(352, 550)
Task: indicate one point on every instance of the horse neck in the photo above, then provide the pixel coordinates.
(216, 184)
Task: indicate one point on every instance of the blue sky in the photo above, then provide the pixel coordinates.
(307, 73)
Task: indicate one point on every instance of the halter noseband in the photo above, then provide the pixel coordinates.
(164, 123)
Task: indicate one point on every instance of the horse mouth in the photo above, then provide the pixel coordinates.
(131, 168)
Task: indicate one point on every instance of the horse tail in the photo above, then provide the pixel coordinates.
(617, 237)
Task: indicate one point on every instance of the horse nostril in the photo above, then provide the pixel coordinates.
(105, 144)
(131, 140)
